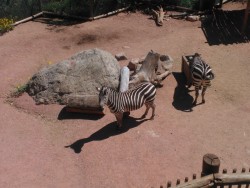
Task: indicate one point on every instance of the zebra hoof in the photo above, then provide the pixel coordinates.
(194, 104)
(203, 101)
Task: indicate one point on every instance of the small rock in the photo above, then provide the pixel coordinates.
(133, 63)
(120, 56)
(192, 18)
(126, 47)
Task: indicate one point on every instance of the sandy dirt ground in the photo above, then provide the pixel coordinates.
(146, 153)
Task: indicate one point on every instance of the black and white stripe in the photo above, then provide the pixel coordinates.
(201, 76)
(119, 102)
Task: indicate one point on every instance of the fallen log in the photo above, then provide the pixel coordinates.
(147, 70)
(154, 69)
(28, 19)
(159, 16)
(87, 104)
(110, 13)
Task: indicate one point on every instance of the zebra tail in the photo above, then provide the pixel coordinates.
(210, 76)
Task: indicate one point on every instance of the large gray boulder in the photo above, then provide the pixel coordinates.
(73, 82)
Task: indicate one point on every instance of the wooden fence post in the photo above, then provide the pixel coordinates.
(211, 164)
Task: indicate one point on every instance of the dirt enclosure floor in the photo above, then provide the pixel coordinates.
(146, 153)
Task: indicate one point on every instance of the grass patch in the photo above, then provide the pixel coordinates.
(19, 90)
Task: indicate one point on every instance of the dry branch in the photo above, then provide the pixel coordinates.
(110, 13)
(159, 16)
(28, 19)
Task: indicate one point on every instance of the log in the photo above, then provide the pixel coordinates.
(217, 180)
(183, 8)
(124, 81)
(28, 19)
(154, 69)
(110, 13)
(86, 110)
(164, 67)
(159, 78)
(159, 16)
(147, 70)
(210, 165)
(88, 104)
(233, 179)
(198, 183)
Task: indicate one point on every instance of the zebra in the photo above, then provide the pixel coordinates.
(201, 76)
(133, 99)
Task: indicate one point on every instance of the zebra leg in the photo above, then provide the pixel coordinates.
(196, 95)
(119, 117)
(153, 110)
(146, 112)
(203, 94)
(148, 106)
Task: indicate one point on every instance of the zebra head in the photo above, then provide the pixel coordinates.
(103, 95)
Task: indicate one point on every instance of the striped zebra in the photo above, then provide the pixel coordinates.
(133, 99)
(201, 76)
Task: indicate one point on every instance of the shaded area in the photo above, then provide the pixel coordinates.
(106, 132)
(64, 114)
(57, 21)
(182, 100)
(224, 27)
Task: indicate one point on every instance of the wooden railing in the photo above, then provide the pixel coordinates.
(210, 177)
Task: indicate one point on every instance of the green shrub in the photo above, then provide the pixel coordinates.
(6, 25)
(189, 3)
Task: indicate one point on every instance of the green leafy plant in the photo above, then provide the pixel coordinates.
(189, 3)
(6, 25)
(19, 90)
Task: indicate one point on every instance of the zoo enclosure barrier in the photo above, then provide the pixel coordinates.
(20, 9)
(211, 178)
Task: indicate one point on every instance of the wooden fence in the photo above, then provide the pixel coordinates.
(210, 177)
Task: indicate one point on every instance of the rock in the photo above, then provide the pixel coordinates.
(73, 82)
(121, 56)
(133, 63)
(193, 18)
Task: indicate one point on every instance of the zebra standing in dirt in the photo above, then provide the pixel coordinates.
(201, 76)
(133, 99)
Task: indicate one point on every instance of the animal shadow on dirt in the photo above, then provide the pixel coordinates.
(64, 114)
(182, 100)
(106, 132)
